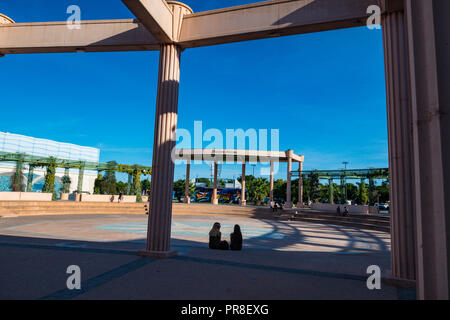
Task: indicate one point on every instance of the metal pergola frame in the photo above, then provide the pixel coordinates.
(20, 159)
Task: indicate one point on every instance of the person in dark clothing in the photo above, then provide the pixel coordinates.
(345, 211)
(215, 238)
(236, 238)
(280, 205)
(338, 210)
(274, 206)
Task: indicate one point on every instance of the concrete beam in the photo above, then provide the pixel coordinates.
(235, 155)
(271, 19)
(155, 15)
(93, 36)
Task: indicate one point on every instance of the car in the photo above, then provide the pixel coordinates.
(382, 206)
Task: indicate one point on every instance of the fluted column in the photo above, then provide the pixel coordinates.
(160, 207)
(300, 185)
(428, 24)
(400, 147)
(289, 183)
(214, 199)
(243, 201)
(187, 197)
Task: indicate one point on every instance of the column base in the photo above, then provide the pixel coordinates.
(215, 201)
(288, 205)
(391, 280)
(243, 203)
(157, 254)
(299, 205)
(187, 200)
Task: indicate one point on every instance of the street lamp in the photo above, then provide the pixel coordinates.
(345, 165)
(253, 165)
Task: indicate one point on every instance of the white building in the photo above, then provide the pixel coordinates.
(15, 143)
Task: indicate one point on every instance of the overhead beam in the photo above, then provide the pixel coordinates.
(271, 19)
(93, 36)
(155, 15)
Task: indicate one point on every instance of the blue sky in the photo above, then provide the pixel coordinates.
(325, 92)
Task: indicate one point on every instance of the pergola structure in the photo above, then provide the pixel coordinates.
(415, 37)
(134, 171)
(243, 156)
(343, 175)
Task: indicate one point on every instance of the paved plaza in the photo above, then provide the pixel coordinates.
(280, 259)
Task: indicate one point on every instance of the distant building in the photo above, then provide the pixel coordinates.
(15, 143)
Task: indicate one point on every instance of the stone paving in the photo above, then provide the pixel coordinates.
(280, 260)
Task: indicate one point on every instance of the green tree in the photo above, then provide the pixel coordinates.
(98, 184)
(324, 192)
(66, 181)
(314, 187)
(108, 182)
(16, 179)
(352, 192)
(383, 192)
(178, 187)
(258, 189)
(204, 180)
(279, 189)
(363, 197)
(121, 187)
(337, 193)
(372, 192)
(49, 184)
(146, 185)
(137, 185)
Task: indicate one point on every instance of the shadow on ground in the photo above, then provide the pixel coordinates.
(35, 268)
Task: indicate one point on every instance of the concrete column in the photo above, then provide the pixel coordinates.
(160, 207)
(428, 27)
(80, 179)
(271, 183)
(30, 178)
(243, 201)
(300, 185)
(288, 186)
(400, 144)
(130, 182)
(214, 199)
(187, 197)
(65, 196)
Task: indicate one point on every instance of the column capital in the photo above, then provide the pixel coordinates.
(289, 153)
(179, 10)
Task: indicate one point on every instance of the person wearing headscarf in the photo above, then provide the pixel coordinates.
(215, 238)
(236, 238)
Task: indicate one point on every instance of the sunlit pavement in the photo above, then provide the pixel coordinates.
(280, 260)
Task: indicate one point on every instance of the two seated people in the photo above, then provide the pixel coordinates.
(215, 241)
